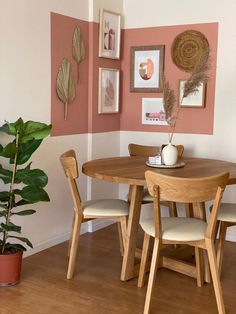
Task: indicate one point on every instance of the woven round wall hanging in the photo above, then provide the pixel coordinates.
(186, 49)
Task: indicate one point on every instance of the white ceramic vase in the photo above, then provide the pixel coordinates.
(169, 155)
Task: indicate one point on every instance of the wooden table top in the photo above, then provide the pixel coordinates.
(131, 170)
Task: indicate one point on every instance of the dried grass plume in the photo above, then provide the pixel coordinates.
(169, 99)
(198, 76)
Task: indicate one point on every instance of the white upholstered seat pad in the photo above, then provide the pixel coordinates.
(146, 196)
(227, 212)
(177, 228)
(105, 207)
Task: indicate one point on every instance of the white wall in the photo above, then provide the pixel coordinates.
(95, 5)
(220, 145)
(25, 90)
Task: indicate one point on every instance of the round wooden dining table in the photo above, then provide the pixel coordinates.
(131, 171)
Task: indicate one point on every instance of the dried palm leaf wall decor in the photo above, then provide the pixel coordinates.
(65, 85)
(78, 49)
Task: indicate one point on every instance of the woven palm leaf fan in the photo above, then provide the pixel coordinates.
(65, 86)
(78, 49)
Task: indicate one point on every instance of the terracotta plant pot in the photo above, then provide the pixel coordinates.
(10, 269)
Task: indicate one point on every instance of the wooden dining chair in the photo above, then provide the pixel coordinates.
(149, 151)
(110, 209)
(227, 218)
(182, 230)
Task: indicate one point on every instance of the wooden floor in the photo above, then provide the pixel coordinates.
(96, 287)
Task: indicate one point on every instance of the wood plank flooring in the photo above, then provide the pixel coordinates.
(96, 288)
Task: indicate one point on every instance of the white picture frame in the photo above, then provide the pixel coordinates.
(153, 111)
(109, 34)
(195, 100)
(108, 91)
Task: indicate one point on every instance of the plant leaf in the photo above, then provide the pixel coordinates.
(16, 246)
(22, 202)
(12, 128)
(26, 150)
(25, 240)
(4, 196)
(33, 194)
(35, 130)
(9, 150)
(34, 177)
(6, 175)
(65, 86)
(24, 212)
(11, 227)
(3, 213)
(3, 206)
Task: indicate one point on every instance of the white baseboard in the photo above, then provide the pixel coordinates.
(57, 240)
(90, 226)
(231, 238)
(97, 224)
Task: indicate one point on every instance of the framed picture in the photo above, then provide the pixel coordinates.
(195, 100)
(153, 111)
(109, 35)
(147, 64)
(108, 93)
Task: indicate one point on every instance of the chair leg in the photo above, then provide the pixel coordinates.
(215, 275)
(199, 266)
(70, 240)
(74, 245)
(220, 247)
(122, 226)
(206, 267)
(120, 238)
(152, 275)
(143, 264)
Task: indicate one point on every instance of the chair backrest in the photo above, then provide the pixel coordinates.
(187, 190)
(148, 151)
(69, 164)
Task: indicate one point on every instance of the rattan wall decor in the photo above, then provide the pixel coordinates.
(187, 48)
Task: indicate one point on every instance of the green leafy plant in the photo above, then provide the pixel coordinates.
(24, 185)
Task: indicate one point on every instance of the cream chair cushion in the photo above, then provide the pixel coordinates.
(105, 207)
(227, 212)
(177, 228)
(146, 196)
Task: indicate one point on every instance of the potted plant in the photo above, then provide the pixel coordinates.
(24, 186)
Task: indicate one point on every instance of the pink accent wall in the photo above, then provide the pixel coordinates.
(62, 30)
(83, 114)
(191, 120)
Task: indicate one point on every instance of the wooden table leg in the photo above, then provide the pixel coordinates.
(127, 271)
